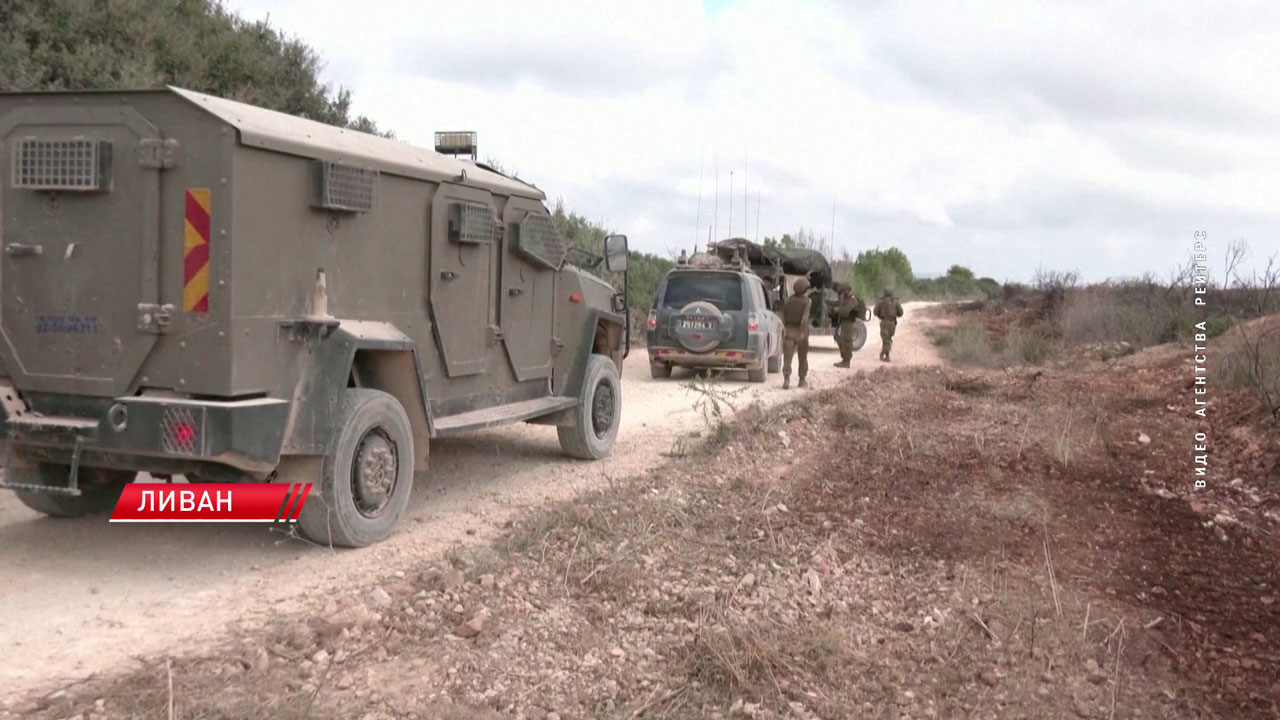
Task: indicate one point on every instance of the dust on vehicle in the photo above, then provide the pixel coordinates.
(199, 287)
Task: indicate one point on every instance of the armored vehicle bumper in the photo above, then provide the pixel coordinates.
(161, 434)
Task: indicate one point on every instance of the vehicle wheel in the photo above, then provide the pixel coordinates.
(859, 335)
(598, 414)
(366, 476)
(659, 370)
(775, 364)
(756, 376)
(99, 489)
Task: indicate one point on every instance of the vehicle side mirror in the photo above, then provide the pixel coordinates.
(615, 253)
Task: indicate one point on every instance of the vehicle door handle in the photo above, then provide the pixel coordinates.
(20, 250)
(514, 292)
(448, 274)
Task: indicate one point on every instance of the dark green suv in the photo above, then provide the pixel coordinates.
(713, 317)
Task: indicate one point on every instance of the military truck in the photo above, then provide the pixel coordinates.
(779, 268)
(199, 287)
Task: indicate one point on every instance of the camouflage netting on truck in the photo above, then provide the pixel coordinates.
(810, 263)
(773, 262)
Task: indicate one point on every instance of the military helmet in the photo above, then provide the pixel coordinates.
(801, 286)
(888, 292)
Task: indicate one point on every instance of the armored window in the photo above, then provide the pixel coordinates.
(79, 164)
(470, 222)
(536, 238)
(343, 187)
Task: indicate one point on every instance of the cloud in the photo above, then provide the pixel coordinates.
(1003, 137)
(595, 62)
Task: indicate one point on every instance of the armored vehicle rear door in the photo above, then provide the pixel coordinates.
(535, 252)
(463, 232)
(80, 207)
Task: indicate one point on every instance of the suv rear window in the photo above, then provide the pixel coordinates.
(724, 290)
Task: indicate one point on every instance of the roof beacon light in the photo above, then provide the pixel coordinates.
(456, 143)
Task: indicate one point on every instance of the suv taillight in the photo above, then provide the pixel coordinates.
(753, 323)
(653, 319)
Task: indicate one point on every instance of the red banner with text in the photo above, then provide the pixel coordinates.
(211, 502)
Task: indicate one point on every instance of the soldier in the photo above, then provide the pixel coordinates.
(849, 310)
(888, 310)
(683, 259)
(795, 332)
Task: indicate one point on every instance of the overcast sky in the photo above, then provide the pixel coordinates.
(1089, 136)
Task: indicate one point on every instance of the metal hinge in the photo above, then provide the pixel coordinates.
(158, 154)
(154, 318)
(556, 345)
(495, 333)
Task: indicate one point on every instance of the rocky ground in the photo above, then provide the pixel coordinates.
(915, 543)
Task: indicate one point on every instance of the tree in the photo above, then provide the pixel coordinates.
(195, 44)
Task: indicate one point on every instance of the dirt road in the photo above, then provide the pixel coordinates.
(83, 597)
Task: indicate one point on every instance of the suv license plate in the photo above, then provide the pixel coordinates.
(697, 324)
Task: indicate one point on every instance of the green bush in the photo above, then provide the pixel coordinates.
(1027, 346)
(968, 344)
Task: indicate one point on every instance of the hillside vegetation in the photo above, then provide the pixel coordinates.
(195, 44)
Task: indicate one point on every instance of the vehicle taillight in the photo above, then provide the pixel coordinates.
(653, 319)
(753, 323)
(180, 431)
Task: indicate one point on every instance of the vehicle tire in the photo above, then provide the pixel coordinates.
(859, 335)
(99, 489)
(598, 414)
(775, 364)
(757, 375)
(367, 475)
(659, 370)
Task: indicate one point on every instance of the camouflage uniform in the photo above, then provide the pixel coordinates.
(888, 309)
(795, 332)
(847, 312)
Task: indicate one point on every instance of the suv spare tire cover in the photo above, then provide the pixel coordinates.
(699, 341)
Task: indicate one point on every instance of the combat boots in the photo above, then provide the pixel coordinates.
(786, 382)
(842, 364)
(802, 383)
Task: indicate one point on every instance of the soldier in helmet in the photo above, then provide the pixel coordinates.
(888, 309)
(683, 259)
(849, 310)
(795, 332)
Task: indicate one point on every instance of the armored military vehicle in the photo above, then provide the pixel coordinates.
(194, 286)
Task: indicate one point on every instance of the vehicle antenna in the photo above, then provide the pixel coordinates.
(757, 216)
(698, 221)
(730, 203)
(832, 239)
(715, 221)
(745, 205)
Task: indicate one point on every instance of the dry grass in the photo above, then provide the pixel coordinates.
(950, 573)
(1249, 358)
(844, 417)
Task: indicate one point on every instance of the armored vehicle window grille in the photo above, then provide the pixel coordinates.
(61, 164)
(348, 188)
(538, 240)
(470, 222)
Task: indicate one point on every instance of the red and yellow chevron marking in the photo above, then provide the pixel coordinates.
(195, 254)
